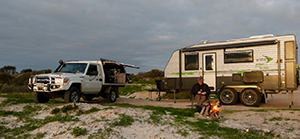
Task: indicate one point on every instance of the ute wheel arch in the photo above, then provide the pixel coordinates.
(228, 96)
(72, 95)
(250, 97)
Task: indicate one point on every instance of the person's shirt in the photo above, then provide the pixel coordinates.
(197, 87)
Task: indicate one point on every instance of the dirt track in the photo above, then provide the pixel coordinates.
(273, 101)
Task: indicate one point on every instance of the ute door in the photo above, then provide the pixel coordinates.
(92, 80)
(209, 70)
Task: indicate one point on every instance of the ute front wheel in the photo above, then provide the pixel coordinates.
(251, 97)
(111, 96)
(228, 96)
(72, 95)
(40, 97)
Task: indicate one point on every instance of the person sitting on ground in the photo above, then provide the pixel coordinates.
(201, 93)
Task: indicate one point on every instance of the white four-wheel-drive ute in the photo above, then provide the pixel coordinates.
(75, 79)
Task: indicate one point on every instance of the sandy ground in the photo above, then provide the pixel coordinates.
(275, 117)
(282, 120)
(273, 101)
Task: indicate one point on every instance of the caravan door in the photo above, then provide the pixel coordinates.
(209, 69)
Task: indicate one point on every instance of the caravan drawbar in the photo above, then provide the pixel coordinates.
(243, 69)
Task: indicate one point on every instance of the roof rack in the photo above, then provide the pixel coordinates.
(123, 64)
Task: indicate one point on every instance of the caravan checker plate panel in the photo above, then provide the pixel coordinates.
(290, 64)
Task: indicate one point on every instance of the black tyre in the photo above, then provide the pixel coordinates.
(72, 95)
(40, 97)
(251, 97)
(111, 96)
(228, 96)
(88, 97)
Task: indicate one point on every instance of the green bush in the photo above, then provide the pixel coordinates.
(125, 120)
(80, 112)
(7, 89)
(91, 110)
(12, 88)
(16, 98)
(77, 131)
(55, 111)
(19, 89)
(130, 89)
(22, 79)
(40, 135)
(69, 107)
(66, 108)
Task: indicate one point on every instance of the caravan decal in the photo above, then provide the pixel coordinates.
(268, 58)
(186, 73)
(263, 62)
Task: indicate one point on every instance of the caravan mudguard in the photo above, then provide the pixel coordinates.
(240, 88)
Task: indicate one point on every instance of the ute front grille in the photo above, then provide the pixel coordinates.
(43, 79)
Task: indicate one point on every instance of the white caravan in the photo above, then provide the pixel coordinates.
(245, 69)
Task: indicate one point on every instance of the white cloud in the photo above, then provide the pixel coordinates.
(36, 34)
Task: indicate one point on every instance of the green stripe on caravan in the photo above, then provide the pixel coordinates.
(186, 73)
(241, 71)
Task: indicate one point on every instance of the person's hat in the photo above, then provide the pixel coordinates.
(200, 78)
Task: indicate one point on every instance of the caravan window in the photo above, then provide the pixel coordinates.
(191, 61)
(209, 62)
(238, 56)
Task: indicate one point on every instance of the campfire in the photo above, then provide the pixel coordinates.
(212, 109)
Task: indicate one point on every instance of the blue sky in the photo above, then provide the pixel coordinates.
(36, 34)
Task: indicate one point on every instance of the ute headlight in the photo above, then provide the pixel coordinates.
(58, 80)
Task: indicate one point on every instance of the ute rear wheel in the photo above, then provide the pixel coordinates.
(111, 96)
(40, 97)
(72, 95)
(251, 97)
(228, 96)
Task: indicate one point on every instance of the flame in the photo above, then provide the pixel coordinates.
(215, 109)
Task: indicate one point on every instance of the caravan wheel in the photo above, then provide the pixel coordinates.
(228, 96)
(251, 97)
